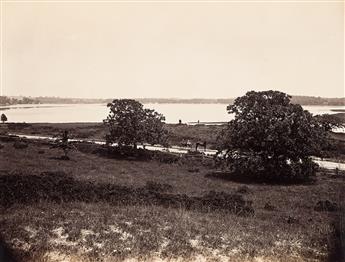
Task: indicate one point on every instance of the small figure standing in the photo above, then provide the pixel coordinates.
(200, 144)
(63, 144)
(189, 144)
(64, 139)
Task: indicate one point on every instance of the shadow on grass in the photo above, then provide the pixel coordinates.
(228, 176)
(337, 248)
(58, 187)
(126, 153)
(6, 254)
(60, 158)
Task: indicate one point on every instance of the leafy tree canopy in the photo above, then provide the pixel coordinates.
(130, 123)
(270, 136)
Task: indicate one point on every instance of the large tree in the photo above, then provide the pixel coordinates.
(270, 137)
(130, 123)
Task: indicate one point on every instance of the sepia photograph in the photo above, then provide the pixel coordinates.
(172, 131)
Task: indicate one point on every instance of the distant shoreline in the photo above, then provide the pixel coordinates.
(3, 106)
(302, 100)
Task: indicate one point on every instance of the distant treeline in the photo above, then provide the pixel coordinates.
(51, 100)
(5, 100)
(61, 100)
(303, 100)
(312, 100)
(186, 101)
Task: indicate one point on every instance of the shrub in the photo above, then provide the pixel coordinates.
(326, 205)
(128, 152)
(20, 144)
(166, 158)
(3, 118)
(17, 126)
(268, 206)
(243, 190)
(157, 187)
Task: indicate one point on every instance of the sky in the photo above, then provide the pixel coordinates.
(165, 49)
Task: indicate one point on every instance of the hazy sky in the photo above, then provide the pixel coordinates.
(209, 50)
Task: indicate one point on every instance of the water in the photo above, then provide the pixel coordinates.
(69, 113)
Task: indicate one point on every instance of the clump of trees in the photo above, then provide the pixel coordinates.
(312, 100)
(271, 138)
(130, 124)
(5, 100)
(3, 118)
(330, 147)
(329, 122)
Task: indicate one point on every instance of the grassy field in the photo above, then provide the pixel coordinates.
(178, 134)
(96, 208)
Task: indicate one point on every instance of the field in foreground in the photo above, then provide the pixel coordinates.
(96, 208)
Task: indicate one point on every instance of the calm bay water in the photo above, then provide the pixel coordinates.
(45, 113)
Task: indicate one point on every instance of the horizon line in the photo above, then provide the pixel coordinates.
(176, 98)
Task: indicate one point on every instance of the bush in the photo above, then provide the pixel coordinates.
(243, 190)
(17, 126)
(255, 168)
(128, 152)
(157, 187)
(268, 206)
(193, 170)
(326, 205)
(20, 144)
(166, 158)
